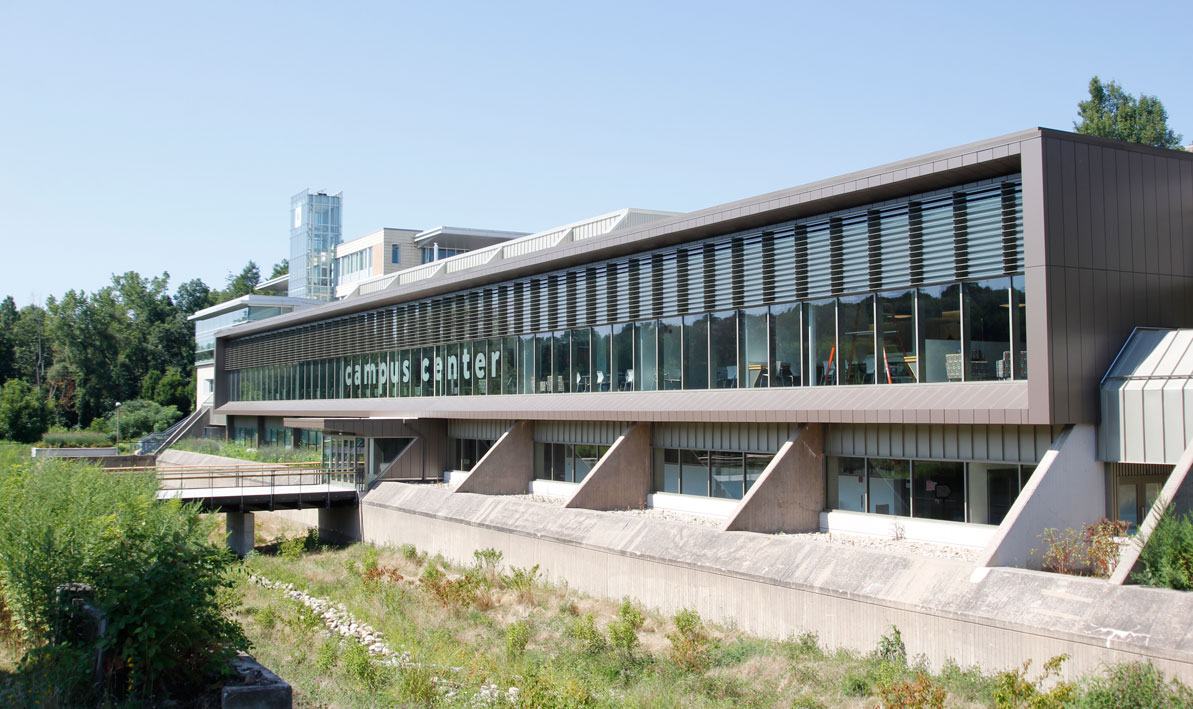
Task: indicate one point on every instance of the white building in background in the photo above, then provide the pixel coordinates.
(386, 251)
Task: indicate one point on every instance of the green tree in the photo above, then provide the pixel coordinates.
(86, 340)
(168, 389)
(1111, 112)
(193, 296)
(24, 416)
(280, 268)
(8, 321)
(242, 283)
(138, 418)
(32, 353)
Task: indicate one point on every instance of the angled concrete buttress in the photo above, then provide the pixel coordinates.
(1177, 494)
(1067, 489)
(508, 467)
(789, 495)
(241, 532)
(621, 479)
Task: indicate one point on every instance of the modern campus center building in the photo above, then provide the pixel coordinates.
(906, 344)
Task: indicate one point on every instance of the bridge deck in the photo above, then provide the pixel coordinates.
(257, 486)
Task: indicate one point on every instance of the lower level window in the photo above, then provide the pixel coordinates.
(245, 435)
(466, 452)
(566, 462)
(278, 437)
(707, 473)
(928, 489)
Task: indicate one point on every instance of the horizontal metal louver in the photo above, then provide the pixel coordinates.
(855, 252)
(896, 249)
(819, 261)
(938, 252)
(971, 231)
(751, 271)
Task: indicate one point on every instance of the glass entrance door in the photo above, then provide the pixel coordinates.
(1134, 498)
(344, 458)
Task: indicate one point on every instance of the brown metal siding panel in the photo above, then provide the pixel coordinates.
(1075, 238)
(1053, 203)
(1035, 243)
(1126, 204)
(1058, 342)
(1176, 225)
(1096, 216)
(1145, 248)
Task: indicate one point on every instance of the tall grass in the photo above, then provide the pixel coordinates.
(261, 454)
(75, 439)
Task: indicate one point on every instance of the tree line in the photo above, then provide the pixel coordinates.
(66, 363)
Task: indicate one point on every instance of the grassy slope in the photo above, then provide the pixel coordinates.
(465, 645)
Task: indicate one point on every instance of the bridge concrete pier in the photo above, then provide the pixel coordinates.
(340, 524)
(241, 532)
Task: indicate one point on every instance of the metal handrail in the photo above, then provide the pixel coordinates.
(256, 475)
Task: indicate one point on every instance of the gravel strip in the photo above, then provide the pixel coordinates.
(339, 621)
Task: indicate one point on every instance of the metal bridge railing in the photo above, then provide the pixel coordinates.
(255, 478)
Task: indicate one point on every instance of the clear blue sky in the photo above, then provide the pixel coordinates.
(170, 136)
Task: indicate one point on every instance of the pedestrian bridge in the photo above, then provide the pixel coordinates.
(263, 486)
(238, 490)
(256, 486)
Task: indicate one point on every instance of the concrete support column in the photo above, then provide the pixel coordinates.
(1067, 489)
(241, 532)
(621, 479)
(508, 467)
(340, 525)
(789, 495)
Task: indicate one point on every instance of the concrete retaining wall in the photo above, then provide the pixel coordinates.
(780, 585)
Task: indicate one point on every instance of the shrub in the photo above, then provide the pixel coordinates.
(291, 549)
(154, 571)
(361, 667)
(487, 561)
(584, 630)
(328, 655)
(1134, 684)
(855, 684)
(456, 594)
(1102, 548)
(24, 413)
(1014, 688)
(806, 645)
(409, 552)
(522, 581)
(369, 559)
(1167, 554)
(689, 643)
(1064, 552)
(517, 635)
(623, 631)
(1092, 550)
(891, 648)
(919, 693)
